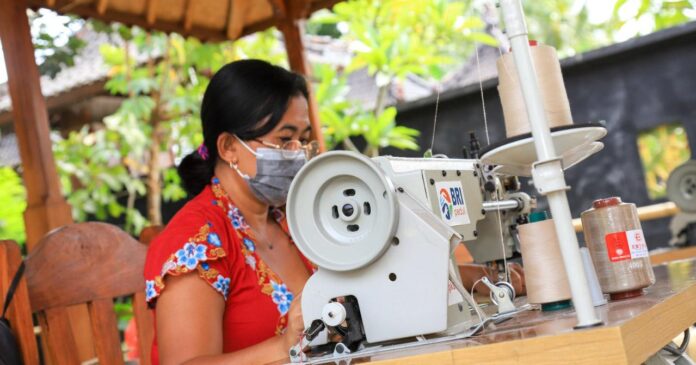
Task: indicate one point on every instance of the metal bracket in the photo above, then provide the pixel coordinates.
(548, 176)
(502, 294)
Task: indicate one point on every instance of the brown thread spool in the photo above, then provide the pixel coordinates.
(553, 92)
(618, 248)
(544, 271)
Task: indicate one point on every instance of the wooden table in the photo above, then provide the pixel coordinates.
(634, 330)
(663, 255)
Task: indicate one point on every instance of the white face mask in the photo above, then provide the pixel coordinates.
(275, 169)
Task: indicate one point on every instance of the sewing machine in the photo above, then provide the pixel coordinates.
(382, 232)
(681, 189)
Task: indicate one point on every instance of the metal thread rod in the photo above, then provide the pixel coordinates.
(509, 204)
(548, 174)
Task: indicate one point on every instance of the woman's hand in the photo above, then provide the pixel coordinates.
(295, 327)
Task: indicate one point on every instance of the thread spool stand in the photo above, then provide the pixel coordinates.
(516, 154)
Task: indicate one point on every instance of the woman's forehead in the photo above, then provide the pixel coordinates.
(296, 117)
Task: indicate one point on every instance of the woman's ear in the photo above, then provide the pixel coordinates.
(228, 147)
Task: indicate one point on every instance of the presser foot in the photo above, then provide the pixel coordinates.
(297, 352)
(340, 318)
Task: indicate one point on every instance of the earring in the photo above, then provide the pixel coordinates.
(233, 165)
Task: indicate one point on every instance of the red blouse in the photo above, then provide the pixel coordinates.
(209, 236)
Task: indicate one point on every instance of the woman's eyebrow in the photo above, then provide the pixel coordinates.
(289, 127)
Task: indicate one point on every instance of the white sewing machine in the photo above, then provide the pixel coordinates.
(382, 232)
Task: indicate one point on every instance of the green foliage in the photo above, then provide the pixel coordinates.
(652, 15)
(393, 38)
(118, 160)
(396, 37)
(13, 198)
(661, 150)
(566, 24)
(342, 120)
(54, 39)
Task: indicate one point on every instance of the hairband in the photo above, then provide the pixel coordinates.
(203, 151)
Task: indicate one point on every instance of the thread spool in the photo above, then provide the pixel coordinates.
(617, 245)
(553, 92)
(544, 272)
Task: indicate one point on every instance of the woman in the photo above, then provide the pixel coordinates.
(231, 237)
(224, 277)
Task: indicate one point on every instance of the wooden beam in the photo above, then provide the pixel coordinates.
(151, 11)
(65, 98)
(188, 15)
(323, 4)
(101, 6)
(297, 9)
(185, 27)
(237, 15)
(279, 11)
(297, 58)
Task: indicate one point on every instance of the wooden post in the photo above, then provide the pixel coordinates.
(294, 46)
(46, 207)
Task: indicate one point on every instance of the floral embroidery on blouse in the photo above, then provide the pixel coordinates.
(194, 255)
(281, 296)
(269, 283)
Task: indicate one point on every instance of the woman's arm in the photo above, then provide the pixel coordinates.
(190, 327)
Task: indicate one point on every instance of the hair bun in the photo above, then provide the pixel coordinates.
(195, 173)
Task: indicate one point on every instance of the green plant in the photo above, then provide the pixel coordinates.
(55, 42)
(119, 160)
(640, 17)
(392, 38)
(661, 150)
(13, 198)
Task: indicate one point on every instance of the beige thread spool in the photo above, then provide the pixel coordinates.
(544, 272)
(551, 85)
(615, 239)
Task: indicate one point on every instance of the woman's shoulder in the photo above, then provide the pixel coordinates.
(196, 239)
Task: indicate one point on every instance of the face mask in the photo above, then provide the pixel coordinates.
(275, 169)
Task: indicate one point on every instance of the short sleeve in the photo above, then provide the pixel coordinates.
(194, 241)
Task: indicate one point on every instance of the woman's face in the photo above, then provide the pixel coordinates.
(294, 125)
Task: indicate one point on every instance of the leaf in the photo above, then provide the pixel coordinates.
(112, 55)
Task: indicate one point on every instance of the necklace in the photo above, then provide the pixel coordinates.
(261, 237)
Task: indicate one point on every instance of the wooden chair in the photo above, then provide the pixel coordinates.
(88, 263)
(149, 233)
(19, 312)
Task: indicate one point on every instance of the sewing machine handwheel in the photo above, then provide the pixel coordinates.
(342, 211)
(507, 287)
(681, 186)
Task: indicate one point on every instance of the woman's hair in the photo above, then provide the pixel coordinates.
(246, 98)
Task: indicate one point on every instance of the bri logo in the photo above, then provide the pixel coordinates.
(451, 203)
(445, 204)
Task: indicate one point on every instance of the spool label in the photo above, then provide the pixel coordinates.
(452, 205)
(626, 245)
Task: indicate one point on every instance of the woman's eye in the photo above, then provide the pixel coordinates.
(285, 139)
